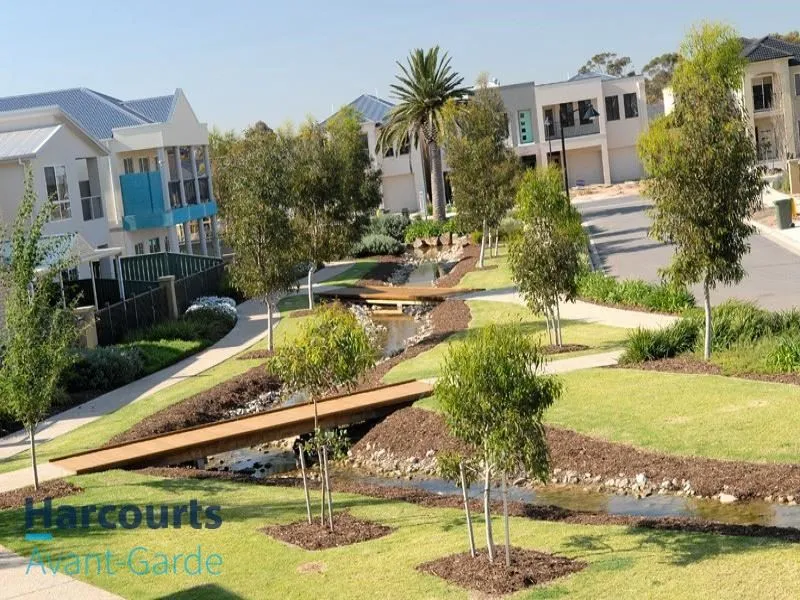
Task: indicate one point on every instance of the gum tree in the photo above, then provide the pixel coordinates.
(331, 352)
(494, 393)
(705, 181)
(39, 327)
(255, 175)
(483, 169)
(546, 255)
(334, 189)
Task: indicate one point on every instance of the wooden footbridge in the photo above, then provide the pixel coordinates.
(392, 295)
(199, 442)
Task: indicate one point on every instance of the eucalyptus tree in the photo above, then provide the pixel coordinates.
(424, 86)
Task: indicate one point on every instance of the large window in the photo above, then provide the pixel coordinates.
(567, 115)
(549, 122)
(154, 245)
(612, 108)
(127, 165)
(89, 188)
(55, 179)
(138, 248)
(631, 105)
(584, 107)
(144, 165)
(92, 206)
(762, 93)
(525, 127)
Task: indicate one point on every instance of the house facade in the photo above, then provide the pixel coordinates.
(130, 175)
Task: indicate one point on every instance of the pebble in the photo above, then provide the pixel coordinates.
(727, 498)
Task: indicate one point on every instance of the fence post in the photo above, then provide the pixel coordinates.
(88, 326)
(168, 282)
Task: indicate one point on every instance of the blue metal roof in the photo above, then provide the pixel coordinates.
(370, 108)
(96, 113)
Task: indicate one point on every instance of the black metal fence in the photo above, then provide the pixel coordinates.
(204, 283)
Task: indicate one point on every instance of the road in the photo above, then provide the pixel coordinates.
(619, 229)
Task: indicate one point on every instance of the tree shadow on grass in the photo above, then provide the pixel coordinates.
(211, 591)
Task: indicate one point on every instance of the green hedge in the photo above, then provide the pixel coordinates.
(376, 244)
(634, 293)
(391, 225)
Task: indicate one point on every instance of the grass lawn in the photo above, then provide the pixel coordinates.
(100, 431)
(350, 276)
(703, 415)
(623, 562)
(490, 279)
(600, 338)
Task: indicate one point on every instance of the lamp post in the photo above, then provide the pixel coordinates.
(590, 115)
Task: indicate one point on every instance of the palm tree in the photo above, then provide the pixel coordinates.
(423, 88)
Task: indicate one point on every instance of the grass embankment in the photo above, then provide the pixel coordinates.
(623, 562)
(599, 338)
(495, 275)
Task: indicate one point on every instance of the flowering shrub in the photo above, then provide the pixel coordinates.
(224, 307)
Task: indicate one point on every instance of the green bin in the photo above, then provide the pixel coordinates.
(783, 213)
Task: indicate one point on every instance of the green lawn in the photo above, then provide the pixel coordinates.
(703, 415)
(600, 338)
(493, 278)
(100, 431)
(350, 276)
(623, 562)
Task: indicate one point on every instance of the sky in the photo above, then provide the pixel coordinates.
(285, 60)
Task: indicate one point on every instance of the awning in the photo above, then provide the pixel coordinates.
(15, 145)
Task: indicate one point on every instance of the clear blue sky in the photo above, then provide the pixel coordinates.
(240, 61)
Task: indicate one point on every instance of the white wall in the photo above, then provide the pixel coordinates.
(625, 164)
(399, 193)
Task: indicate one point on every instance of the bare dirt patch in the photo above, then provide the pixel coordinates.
(469, 258)
(312, 536)
(209, 406)
(528, 568)
(57, 488)
(692, 365)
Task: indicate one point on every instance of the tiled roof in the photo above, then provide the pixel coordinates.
(371, 108)
(25, 143)
(769, 48)
(98, 114)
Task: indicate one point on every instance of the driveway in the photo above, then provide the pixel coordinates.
(619, 229)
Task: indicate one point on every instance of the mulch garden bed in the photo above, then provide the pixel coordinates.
(447, 318)
(516, 509)
(381, 273)
(255, 355)
(469, 258)
(57, 488)
(411, 432)
(528, 568)
(208, 406)
(553, 349)
(347, 530)
(692, 365)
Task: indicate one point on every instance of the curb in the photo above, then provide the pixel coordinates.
(777, 238)
(594, 255)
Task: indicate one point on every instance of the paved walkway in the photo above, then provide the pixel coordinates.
(249, 329)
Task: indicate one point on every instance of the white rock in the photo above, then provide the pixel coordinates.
(727, 498)
(641, 479)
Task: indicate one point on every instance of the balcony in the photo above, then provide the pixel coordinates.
(554, 133)
(143, 203)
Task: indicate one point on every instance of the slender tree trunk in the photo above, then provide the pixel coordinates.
(483, 245)
(497, 242)
(270, 342)
(328, 486)
(470, 534)
(505, 520)
(547, 324)
(487, 515)
(489, 240)
(31, 435)
(311, 287)
(707, 307)
(321, 487)
(437, 181)
(560, 341)
(305, 481)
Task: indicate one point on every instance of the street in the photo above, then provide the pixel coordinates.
(619, 230)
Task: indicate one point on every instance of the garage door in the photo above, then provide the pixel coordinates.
(625, 164)
(399, 193)
(585, 165)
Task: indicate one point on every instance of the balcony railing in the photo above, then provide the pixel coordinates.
(554, 132)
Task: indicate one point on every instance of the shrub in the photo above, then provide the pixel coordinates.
(104, 369)
(374, 244)
(661, 297)
(422, 229)
(225, 308)
(785, 356)
(476, 237)
(391, 225)
(509, 227)
(454, 226)
(735, 321)
(653, 344)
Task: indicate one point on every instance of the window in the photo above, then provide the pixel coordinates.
(631, 105)
(762, 93)
(797, 84)
(127, 165)
(550, 122)
(525, 128)
(92, 206)
(154, 245)
(584, 106)
(55, 179)
(166, 243)
(138, 249)
(567, 115)
(405, 147)
(144, 165)
(612, 108)
(365, 142)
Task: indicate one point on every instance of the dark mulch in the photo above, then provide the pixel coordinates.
(553, 349)
(692, 365)
(447, 318)
(57, 488)
(516, 509)
(382, 271)
(255, 355)
(312, 536)
(528, 568)
(209, 406)
(425, 430)
(469, 258)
